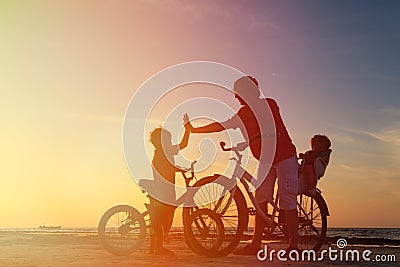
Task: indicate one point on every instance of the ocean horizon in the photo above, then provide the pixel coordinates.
(378, 234)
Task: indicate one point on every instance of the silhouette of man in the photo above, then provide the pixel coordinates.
(261, 130)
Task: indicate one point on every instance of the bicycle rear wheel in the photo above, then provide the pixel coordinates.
(312, 216)
(122, 230)
(215, 193)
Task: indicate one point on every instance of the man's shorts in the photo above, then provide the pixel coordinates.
(287, 173)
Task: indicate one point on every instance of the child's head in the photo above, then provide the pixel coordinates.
(320, 143)
(160, 137)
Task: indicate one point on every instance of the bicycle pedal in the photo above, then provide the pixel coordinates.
(270, 223)
(251, 211)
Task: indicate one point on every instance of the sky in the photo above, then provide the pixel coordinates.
(70, 68)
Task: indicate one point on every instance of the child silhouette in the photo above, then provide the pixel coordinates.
(320, 148)
(161, 202)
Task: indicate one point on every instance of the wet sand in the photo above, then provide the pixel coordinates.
(52, 249)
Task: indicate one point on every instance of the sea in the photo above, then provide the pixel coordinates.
(377, 236)
(374, 233)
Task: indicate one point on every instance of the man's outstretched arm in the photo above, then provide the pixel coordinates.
(210, 128)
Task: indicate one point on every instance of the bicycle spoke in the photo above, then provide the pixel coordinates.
(120, 231)
(214, 195)
(312, 222)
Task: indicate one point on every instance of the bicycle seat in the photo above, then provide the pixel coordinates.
(147, 185)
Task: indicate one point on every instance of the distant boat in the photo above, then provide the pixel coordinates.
(49, 227)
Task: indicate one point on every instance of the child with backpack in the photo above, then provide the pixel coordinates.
(314, 162)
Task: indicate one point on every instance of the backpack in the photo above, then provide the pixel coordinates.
(311, 169)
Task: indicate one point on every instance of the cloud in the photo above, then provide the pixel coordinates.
(93, 117)
(348, 168)
(392, 112)
(370, 154)
(391, 132)
(391, 136)
(234, 13)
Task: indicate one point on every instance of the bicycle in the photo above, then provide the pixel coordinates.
(122, 229)
(216, 194)
(216, 215)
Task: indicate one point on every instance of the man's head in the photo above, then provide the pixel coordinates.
(160, 137)
(246, 89)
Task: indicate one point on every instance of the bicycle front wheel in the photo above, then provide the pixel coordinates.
(207, 231)
(214, 193)
(122, 230)
(312, 216)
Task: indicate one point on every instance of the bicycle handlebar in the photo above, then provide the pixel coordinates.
(234, 149)
(185, 170)
(222, 144)
(192, 165)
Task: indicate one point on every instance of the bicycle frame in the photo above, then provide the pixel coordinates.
(240, 174)
(183, 199)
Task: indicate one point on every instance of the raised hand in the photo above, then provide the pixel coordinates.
(185, 118)
(186, 122)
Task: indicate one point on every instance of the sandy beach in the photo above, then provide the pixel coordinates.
(63, 249)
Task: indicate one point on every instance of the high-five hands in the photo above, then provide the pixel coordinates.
(186, 122)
